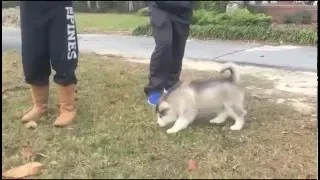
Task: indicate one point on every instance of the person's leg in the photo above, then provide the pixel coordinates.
(180, 36)
(161, 57)
(64, 59)
(35, 58)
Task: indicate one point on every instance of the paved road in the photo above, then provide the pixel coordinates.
(289, 57)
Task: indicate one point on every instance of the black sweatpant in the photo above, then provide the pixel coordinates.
(170, 37)
(49, 38)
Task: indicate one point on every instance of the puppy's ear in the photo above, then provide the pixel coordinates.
(164, 105)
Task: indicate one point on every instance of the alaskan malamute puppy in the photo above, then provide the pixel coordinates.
(186, 101)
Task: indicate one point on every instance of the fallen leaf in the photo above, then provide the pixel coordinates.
(28, 169)
(192, 165)
(31, 125)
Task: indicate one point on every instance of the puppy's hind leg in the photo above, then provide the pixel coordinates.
(239, 110)
(238, 117)
(238, 125)
(182, 122)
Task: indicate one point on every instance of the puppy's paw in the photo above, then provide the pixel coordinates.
(212, 121)
(216, 121)
(236, 127)
(172, 131)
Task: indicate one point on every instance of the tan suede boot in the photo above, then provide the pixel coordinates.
(40, 95)
(67, 105)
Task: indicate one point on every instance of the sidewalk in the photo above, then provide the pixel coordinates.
(284, 56)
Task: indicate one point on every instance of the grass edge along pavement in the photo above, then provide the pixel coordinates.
(127, 24)
(249, 33)
(116, 135)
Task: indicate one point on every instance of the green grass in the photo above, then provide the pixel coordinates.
(116, 135)
(108, 22)
(245, 33)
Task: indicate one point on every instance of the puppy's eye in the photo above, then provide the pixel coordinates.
(163, 112)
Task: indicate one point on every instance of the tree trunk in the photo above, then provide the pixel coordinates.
(89, 5)
(130, 6)
(98, 5)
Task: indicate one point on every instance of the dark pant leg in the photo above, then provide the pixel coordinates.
(64, 44)
(161, 57)
(180, 36)
(35, 45)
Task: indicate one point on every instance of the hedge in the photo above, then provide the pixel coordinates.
(143, 11)
(217, 6)
(253, 33)
(241, 17)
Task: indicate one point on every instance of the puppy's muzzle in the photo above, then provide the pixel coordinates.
(161, 124)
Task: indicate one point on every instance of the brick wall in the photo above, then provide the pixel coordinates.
(277, 11)
(285, 2)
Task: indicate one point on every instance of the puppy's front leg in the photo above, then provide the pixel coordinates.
(238, 124)
(182, 122)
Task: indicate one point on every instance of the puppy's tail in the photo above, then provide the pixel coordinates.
(234, 74)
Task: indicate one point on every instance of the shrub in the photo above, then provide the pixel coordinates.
(143, 11)
(143, 30)
(218, 6)
(256, 33)
(9, 4)
(241, 17)
(288, 19)
(203, 17)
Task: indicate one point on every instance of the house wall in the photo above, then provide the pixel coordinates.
(278, 11)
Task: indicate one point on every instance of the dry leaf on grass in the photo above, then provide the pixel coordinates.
(28, 169)
(192, 165)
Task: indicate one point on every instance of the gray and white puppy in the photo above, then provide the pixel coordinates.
(184, 102)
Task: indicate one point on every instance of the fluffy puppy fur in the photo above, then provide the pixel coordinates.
(183, 103)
